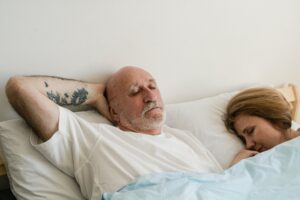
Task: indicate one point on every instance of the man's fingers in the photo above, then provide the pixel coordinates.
(103, 108)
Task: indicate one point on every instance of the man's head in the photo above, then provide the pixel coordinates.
(135, 101)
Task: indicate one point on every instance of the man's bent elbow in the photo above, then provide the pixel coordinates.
(13, 88)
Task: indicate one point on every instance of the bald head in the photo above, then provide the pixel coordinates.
(121, 77)
(135, 101)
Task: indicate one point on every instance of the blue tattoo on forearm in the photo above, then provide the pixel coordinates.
(79, 96)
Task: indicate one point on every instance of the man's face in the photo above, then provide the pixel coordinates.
(137, 103)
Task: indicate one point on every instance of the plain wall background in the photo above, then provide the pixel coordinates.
(194, 48)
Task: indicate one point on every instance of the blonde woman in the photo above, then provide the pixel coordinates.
(261, 118)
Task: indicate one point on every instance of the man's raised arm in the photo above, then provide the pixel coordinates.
(36, 98)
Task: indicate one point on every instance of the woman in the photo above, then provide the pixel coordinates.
(261, 117)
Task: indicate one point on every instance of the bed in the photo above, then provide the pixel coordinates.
(198, 51)
(31, 176)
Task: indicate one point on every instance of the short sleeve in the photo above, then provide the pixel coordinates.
(70, 146)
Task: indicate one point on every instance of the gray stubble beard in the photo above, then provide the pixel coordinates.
(144, 123)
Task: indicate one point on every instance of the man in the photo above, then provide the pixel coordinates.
(135, 101)
(101, 157)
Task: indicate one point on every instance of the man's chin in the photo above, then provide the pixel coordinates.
(150, 120)
(156, 120)
(151, 123)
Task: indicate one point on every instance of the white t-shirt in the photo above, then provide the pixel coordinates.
(103, 158)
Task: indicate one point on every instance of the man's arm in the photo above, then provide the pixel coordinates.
(36, 98)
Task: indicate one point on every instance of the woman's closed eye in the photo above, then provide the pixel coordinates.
(249, 130)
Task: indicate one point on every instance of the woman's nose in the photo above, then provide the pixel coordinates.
(250, 143)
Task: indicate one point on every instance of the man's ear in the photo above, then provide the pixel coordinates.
(114, 116)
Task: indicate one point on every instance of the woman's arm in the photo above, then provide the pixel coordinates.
(36, 98)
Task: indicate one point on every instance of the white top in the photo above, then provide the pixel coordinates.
(103, 158)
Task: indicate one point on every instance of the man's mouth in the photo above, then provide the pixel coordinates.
(152, 106)
(151, 109)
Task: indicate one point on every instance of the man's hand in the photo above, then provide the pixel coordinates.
(101, 104)
(242, 155)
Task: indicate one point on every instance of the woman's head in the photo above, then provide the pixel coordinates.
(259, 116)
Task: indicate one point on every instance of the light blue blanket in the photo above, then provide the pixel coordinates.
(272, 175)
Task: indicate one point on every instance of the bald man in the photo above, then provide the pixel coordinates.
(102, 157)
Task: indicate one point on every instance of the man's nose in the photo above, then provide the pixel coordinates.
(149, 95)
(250, 143)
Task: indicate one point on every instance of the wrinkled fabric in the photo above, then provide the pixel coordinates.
(273, 174)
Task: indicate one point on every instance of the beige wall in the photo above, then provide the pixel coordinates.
(195, 48)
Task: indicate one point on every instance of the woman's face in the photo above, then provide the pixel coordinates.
(259, 134)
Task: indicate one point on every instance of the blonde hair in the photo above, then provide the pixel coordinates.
(266, 103)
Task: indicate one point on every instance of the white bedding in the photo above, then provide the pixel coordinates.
(33, 177)
(271, 175)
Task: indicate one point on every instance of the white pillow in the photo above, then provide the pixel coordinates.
(204, 118)
(295, 125)
(31, 176)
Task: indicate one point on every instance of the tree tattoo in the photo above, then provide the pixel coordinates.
(79, 96)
